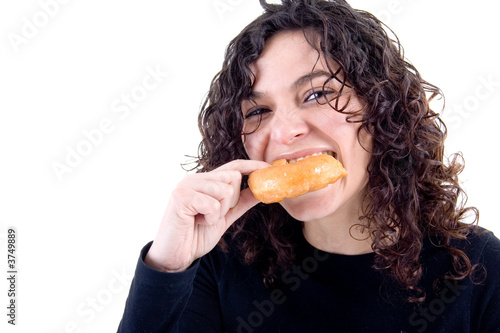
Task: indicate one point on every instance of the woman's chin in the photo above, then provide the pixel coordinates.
(311, 206)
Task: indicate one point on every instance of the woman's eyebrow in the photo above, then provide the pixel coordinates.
(255, 94)
(306, 78)
(309, 77)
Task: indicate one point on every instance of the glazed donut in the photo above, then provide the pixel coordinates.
(289, 180)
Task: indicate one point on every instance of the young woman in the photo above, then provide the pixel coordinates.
(384, 249)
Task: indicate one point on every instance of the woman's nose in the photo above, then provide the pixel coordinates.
(287, 126)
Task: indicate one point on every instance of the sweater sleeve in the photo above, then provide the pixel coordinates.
(487, 295)
(156, 300)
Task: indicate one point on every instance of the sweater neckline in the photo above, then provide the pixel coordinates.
(307, 249)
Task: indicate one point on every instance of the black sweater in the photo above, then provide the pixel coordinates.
(322, 292)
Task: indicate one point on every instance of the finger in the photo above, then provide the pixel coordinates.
(216, 189)
(206, 220)
(244, 166)
(245, 202)
(201, 204)
(226, 192)
(223, 176)
(230, 173)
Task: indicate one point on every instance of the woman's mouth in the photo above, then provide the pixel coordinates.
(331, 153)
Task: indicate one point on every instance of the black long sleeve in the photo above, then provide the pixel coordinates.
(322, 292)
(156, 300)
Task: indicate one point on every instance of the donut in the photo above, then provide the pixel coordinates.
(284, 179)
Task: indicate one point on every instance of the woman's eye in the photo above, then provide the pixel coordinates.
(257, 111)
(321, 96)
(253, 118)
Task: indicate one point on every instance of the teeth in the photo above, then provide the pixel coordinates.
(316, 154)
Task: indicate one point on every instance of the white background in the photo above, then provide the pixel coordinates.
(79, 236)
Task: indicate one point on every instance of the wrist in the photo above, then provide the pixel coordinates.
(155, 264)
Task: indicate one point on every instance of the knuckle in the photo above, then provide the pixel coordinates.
(234, 177)
(206, 186)
(215, 207)
(179, 192)
(230, 191)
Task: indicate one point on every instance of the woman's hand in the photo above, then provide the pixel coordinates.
(202, 207)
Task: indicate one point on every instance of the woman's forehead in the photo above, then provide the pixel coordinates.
(288, 56)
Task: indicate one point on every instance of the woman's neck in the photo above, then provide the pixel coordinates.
(340, 233)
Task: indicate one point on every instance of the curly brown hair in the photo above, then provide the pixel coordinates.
(412, 193)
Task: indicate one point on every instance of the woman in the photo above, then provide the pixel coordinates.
(384, 249)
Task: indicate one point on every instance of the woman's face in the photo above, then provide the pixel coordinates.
(296, 122)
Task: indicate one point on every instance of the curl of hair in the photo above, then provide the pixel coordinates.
(412, 191)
